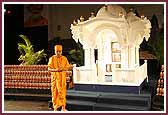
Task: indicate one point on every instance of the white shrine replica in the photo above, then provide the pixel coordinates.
(116, 35)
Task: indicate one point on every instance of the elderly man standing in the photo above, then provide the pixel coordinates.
(58, 65)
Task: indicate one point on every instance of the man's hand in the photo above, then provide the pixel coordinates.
(60, 69)
(55, 70)
(70, 67)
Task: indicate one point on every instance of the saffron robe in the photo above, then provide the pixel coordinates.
(58, 80)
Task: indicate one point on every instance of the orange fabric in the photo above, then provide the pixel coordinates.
(58, 47)
(58, 81)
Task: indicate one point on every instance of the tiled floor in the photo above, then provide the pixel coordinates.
(20, 105)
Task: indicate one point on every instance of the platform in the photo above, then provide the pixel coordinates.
(110, 88)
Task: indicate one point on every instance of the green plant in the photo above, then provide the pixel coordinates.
(77, 55)
(157, 47)
(28, 56)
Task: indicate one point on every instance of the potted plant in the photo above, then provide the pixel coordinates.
(28, 56)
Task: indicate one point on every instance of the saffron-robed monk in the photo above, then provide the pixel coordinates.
(58, 65)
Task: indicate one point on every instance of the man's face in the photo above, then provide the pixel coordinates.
(58, 52)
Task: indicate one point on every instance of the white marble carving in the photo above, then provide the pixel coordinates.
(112, 25)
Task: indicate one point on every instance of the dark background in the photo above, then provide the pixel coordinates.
(13, 27)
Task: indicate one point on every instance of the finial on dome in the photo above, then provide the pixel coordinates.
(105, 6)
(120, 14)
(75, 23)
(131, 9)
(142, 16)
(78, 21)
(92, 15)
(81, 18)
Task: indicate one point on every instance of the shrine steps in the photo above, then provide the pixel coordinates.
(76, 105)
(90, 101)
(99, 101)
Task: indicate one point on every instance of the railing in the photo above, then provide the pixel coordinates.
(28, 77)
(82, 74)
(120, 76)
(134, 76)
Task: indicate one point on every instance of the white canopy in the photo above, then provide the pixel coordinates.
(112, 21)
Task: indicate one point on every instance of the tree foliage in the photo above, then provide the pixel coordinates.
(28, 56)
(77, 55)
(157, 47)
(155, 44)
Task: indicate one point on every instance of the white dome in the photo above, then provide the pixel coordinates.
(111, 10)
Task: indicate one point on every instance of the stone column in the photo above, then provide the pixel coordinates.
(87, 57)
(93, 66)
(137, 55)
(132, 57)
(124, 57)
(100, 63)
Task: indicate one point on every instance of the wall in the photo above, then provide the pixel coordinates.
(13, 27)
(60, 16)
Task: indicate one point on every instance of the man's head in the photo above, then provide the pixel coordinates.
(58, 50)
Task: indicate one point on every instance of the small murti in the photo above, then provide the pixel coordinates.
(111, 41)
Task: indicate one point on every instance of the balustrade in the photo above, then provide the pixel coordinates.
(30, 77)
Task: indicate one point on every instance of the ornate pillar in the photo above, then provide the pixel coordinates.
(125, 57)
(87, 57)
(137, 55)
(132, 57)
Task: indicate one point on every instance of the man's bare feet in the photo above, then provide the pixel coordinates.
(55, 109)
(63, 109)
